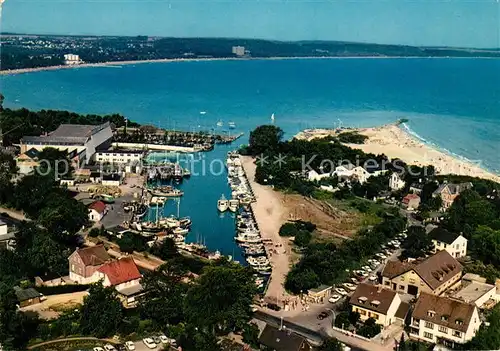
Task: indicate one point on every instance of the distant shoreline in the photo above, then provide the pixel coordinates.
(132, 62)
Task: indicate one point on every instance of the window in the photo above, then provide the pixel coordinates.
(443, 330)
(457, 333)
(429, 325)
(412, 281)
(401, 287)
(459, 322)
(403, 278)
(73, 267)
(445, 246)
(431, 313)
(444, 317)
(428, 335)
(387, 283)
(362, 312)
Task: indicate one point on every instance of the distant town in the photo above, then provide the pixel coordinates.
(22, 51)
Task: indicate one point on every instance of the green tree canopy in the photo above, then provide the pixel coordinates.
(264, 139)
(101, 311)
(417, 244)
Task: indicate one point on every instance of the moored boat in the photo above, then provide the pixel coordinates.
(233, 205)
(222, 204)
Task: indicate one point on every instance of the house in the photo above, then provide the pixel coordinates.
(314, 176)
(27, 297)
(321, 292)
(478, 293)
(416, 188)
(395, 182)
(283, 340)
(372, 301)
(83, 263)
(363, 173)
(124, 276)
(27, 161)
(444, 320)
(454, 243)
(4, 228)
(113, 179)
(434, 274)
(97, 210)
(411, 202)
(344, 171)
(449, 192)
(7, 238)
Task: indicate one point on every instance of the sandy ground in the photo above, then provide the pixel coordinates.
(53, 306)
(270, 214)
(394, 142)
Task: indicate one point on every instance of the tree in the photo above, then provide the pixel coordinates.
(165, 250)
(288, 229)
(251, 334)
(31, 193)
(101, 312)
(166, 291)
(487, 337)
(264, 139)
(417, 244)
(342, 320)
(370, 328)
(220, 298)
(302, 238)
(486, 245)
(54, 162)
(331, 345)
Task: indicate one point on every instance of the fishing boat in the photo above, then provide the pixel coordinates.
(233, 205)
(185, 222)
(141, 210)
(158, 201)
(166, 191)
(170, 222)
(180, 231)
(222, 204)
(250, 239)
(231, 125)
(178, 172)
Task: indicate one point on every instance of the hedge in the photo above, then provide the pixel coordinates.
(62, 289)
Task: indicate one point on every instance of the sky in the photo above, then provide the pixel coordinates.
(473, 23)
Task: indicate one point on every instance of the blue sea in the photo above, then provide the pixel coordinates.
(453, 104)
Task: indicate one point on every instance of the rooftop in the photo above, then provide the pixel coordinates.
(120, 271)
(454, 189)
(280, 340)
(371, 297)
(434, 270)
(444, 311)
(93, 255)
(131, 290)
(443, 235)
(26, 294)
(98, 206)
(471, 292)
(68, 133)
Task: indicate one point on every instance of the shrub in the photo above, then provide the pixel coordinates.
(62, 289)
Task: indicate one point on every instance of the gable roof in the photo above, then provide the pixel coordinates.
(371, 297)
(441, 234)
(120, 271)
(434, 270)
(280, 340)
(93, 255)
(454, 189)
(98, 206)
(26, 294)
(446, 311)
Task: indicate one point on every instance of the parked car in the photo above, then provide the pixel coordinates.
(97, 349)
(341, 291)
(367, 268)
(350, 286)
(150, 343)
(163, 339)
(381, 255)
(156, 339)
(374, 263)
(354, 281)
(109, 347)
(334, 298)
(322, 315)
(372, 278)
(130, 345)
(361, 273)
(273, 306)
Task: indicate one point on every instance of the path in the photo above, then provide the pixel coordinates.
(270, 214)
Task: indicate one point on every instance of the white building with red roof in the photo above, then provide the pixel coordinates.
(97, 210)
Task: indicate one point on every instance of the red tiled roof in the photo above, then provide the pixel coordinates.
(409, 197)
(120, 271)
(94, 255)
(99, 206)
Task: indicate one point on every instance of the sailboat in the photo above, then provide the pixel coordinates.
(272, 118)
(231, 125)
(219, 123)
(203, 112)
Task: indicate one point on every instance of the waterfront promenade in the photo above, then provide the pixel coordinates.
(270, 214)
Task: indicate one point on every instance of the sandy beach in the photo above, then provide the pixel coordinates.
(270, 214)
(394, 142)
